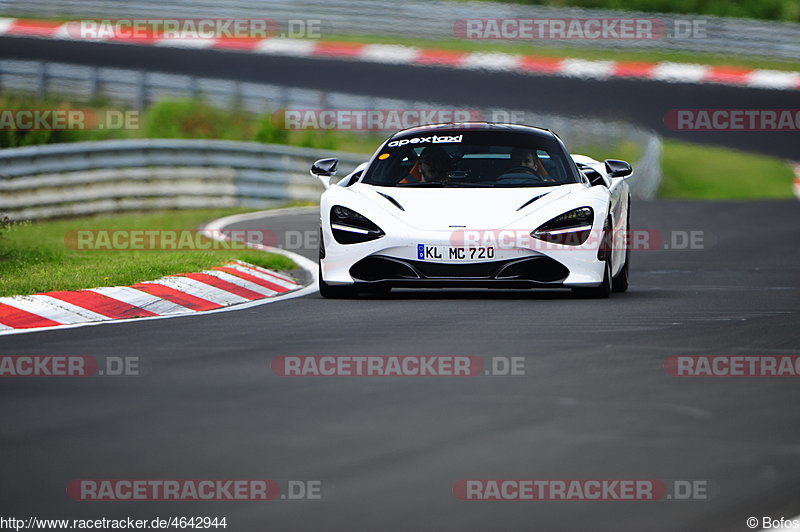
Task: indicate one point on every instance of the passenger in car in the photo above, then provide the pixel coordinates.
(431, 167)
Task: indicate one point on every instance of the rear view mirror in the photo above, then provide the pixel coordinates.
(617, 168)
(324, 167)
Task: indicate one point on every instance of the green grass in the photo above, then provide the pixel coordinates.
(34, 257)
(694, 171)
(705, 172)
(627, 150)
(563, 52)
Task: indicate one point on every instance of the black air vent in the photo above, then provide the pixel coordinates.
(394, 201)
(532, 200)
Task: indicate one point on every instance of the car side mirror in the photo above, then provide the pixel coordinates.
(594, 177)
(617, 168)
(324, 167)
(324, 170)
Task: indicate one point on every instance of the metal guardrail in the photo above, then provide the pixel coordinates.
(433, 19)
(108, 176)
(140, 89)
(84, 178)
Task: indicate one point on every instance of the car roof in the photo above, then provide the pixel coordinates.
(463, 127)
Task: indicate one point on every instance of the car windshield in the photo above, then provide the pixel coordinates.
(471, 159)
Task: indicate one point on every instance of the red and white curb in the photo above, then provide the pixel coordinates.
(234, 286)
(664, 71)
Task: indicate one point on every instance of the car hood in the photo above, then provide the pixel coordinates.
(442, 209)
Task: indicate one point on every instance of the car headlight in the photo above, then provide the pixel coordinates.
(350, 227)
(569, 229)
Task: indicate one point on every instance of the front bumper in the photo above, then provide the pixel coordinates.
(393, 261)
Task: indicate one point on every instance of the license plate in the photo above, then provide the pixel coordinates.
(454, 253)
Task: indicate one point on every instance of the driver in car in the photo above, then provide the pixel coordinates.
(431, 167)
(525, 158)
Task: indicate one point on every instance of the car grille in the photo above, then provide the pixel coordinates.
(538, 269)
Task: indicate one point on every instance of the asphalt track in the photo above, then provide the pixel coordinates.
(595, 401)
(641, 102)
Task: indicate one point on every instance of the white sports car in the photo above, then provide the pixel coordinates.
(474, 205)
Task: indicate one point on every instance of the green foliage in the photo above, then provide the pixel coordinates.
(11, 138)
(270, 129)
(195, 119)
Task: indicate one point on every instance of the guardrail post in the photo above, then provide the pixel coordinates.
(94, 84)
(283, 97)
(237, 100)
(41, 80)
(194, 88)
(141, 92)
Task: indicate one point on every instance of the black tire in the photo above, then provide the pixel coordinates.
(597, 292)
(335, 292)
(620, 283)
(602, 291)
